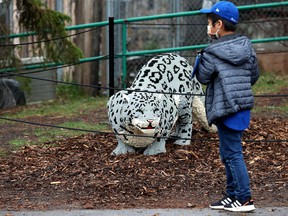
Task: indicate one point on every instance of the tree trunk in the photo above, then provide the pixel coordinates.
(80, 39)
(89, 42)
(96, 45)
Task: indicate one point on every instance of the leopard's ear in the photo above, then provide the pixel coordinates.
(125, 99)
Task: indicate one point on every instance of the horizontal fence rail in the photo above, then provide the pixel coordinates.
(119, 89)
(137, 53)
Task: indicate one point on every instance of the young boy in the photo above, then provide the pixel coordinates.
(228, 66)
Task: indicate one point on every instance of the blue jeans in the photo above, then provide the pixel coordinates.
(238, 183)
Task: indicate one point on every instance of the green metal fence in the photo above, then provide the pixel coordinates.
(125, 24)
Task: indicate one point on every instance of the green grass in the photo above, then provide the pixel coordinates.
(49, 134)
(61, 108)
(282, 110)
(269, 83)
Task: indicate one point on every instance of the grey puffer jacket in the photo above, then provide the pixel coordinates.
(229, 68)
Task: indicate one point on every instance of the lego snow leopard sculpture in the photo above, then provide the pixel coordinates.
(147, 110)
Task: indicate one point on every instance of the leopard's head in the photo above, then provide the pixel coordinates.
(146, 114)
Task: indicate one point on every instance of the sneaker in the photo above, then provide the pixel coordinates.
(226, 200)
(240, 206)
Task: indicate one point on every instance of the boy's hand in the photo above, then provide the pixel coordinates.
(197, 62)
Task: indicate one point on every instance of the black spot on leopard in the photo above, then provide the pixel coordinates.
(161, 67)
(181, 89)
(188, 96)
(170, 76)
(151, 86)
(152, 63)
(198, 86)
(183, 63)
(181, 77)
(176, 69)
(184, 131)
(145, 73)
(164, 85)
(155, 77)
(165, 103)
(167, 61)
(172, 57)
(165, 121)
(187, 74)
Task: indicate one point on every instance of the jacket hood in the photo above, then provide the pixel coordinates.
(236, 51)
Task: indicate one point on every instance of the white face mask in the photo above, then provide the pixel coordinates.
(212, 35)
(209, 29)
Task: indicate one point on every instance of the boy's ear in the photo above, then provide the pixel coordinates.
(219, 24)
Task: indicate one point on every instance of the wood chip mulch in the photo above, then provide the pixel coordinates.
(79, 172)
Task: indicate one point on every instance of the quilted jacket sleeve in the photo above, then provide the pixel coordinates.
(205, 72)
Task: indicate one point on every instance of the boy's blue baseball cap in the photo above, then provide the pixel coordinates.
(224, 9)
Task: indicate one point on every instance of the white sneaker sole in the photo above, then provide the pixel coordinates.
(248, 208)
(217, 207)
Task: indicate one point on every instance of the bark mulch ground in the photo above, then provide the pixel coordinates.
(79, 172)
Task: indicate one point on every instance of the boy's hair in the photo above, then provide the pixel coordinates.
(228, 26)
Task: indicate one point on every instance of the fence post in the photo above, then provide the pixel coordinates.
(124, 53)
(111, 56)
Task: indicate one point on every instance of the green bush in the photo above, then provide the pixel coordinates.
(68, 92)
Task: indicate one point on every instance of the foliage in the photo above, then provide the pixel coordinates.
(48, 29)
(8, 56)
(68, 92)
(25, 83)
(48, 25)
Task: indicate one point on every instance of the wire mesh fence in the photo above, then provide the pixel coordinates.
(191, 30)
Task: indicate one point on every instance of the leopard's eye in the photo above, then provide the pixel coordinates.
(137, 113)
(156, 110)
